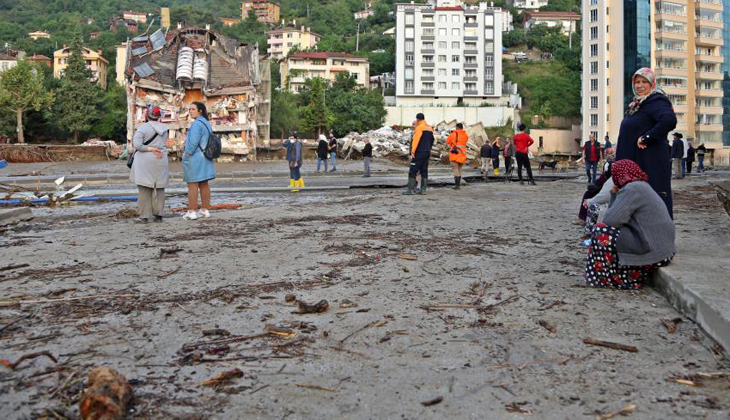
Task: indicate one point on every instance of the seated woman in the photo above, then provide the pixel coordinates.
(636, 236)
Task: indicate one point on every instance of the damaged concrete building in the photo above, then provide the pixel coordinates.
(186, 65)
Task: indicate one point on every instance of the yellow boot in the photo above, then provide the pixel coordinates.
(291, 183)
(301, 183)
(496, 171)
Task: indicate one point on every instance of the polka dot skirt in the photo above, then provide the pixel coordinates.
(603, 268)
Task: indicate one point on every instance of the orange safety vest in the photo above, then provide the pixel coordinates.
(457, 140)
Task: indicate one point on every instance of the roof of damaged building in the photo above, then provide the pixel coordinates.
(154, 59)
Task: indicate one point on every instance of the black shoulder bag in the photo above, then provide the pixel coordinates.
(130, 160)
(213, 147)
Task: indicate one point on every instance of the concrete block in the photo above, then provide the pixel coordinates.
(15, 215)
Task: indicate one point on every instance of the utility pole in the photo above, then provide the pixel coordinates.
(357, 37)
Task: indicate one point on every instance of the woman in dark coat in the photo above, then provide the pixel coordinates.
(643, 134)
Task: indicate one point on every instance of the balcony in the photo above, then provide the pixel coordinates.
(427, 92)
(471, 65)
(671, 71)
(710, 4)
(712, 93)
(671, 53)
(709, 58)
(427, 37)
(471, 92)
(428, 79)
(428, 65)
(705, 40)
(710, 23)
(708, 127)
(471, 38)
(674, 90)
(471, 52)
(427, 24)
(709, 110)
(706, 75)
(428, 51)
(471, 25)
(471, 79)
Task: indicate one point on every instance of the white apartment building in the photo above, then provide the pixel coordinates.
(527, 4)
(448, 52)
(507, 21)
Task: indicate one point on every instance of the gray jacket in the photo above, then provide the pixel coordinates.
(646, 230)
(603, 196)
(147, 169)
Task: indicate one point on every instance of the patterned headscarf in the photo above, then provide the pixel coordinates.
(649, 75)
(626, 171)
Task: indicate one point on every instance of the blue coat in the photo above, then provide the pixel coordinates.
(654, 120)
(196, 167)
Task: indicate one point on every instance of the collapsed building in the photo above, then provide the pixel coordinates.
(172, 70)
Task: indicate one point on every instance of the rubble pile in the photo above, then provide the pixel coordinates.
(113, 149)
(388, 142)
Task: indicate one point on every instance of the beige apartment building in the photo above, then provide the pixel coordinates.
(94, 61)
(267, 11)
(299, 67)
(281, 40)
(39, 34)
(682, 42)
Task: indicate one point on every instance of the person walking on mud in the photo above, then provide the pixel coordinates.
(197, 169)
(294, 158)
(523, 141)
(509, 153)
(496, 150)
(333, 151)
(420, 154)
(150, 167)
(367, 154)
(485, 152)
(457, 152)
(322, 152)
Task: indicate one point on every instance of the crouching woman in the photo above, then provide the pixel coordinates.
(636, 236)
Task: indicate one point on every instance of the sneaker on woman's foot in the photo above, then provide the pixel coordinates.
(203, 213)
(190, 215)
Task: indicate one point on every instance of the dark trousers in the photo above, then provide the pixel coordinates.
(523, 160)
(507, 163)
(294, 172)
(419, 164)
(689, 166)
(591, 168)
(495, 162)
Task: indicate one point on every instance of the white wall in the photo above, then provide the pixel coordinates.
(489, 116)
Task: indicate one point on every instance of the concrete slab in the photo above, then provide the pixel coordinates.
(697, 283)
(15, 215)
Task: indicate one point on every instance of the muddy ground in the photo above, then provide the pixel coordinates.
(446, 299)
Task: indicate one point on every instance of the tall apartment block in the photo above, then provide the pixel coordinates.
(267, 11)
(448, 52)
(685, 42)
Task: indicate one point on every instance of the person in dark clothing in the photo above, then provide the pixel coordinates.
(420, 153)
(592, 155)
(496, 150)
(322, 152)
(677, 153)
(606, 143)
(333, 151)
(485, 153)
(643, 134)
(690, 157)
(367, 154)
(701, 150)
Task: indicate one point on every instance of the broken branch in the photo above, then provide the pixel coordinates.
(622, 412)
(12, 366)
(610, 345)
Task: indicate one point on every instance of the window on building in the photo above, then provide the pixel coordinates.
(443, 45)
(594, 85)
(594, 120)
(488, 20)
(443, 32)
(428, 32)
(455, 58)
(489, 47)
(443, 18)
(594, 33)
(470, 32)
(470, 86)
(455, 18)
(470, 73)
(594, 67)
(428, 45)
(427, 72)
(455, 45)
(470, 59)
(594, 2)
(409, 46)
(428, 18)
(410, 32)
(489, 60)
(428, 59)
(428, 86)
(442, 72)
(594, 16)
(489, 33)
(442, 85)
(442, 59)
(455, 31)
(489, 88)
(289, 44)
(409, 59)
(455, 85)
(540, 143)
(454, 72)
(594, 50)
(489, 73)
(594, 102)
(410, 18)
(409, 86)
(470, 45)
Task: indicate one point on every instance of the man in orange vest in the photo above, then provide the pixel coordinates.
(457, 152)
(420, 154)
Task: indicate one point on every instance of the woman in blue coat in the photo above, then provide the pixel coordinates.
(197, 169)
(643, 134)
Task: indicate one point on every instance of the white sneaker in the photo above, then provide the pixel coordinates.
(203, 213)
(190, 215)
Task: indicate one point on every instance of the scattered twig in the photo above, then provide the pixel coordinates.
(15, 364)
(169, 251)
(162, 276)
(193, 346)
(357, 331)
(610, 345)
(432, 401)
(622, 412)
(547, 326)
(13, 267)
(671, 324)
(259, 389)
(27, 302)
(319, 307)
(317, 387)
(64, 384)
(409, 257)
(224, 377)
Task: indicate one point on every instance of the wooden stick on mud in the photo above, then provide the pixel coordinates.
(610, 345)
(27, 357)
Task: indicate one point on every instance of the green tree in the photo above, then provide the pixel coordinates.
(78, 95)
(21, 89)
(113, 122)
(284, 113)
(316, 117)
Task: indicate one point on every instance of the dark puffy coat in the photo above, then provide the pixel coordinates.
(677, 149)
(654, 120)
(322, 149)
(486, 151)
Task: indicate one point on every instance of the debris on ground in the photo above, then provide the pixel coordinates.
(319, 307)
(622, 412)
(126, 214)
(169, 251)
(432, 401)
(224, 378)
(113, 150)
(610, 345)
(548, 326)
(25, 357)
(107, 395)
(214, 207)
(671, 324)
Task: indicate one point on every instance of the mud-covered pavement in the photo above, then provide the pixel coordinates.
(446, 299)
